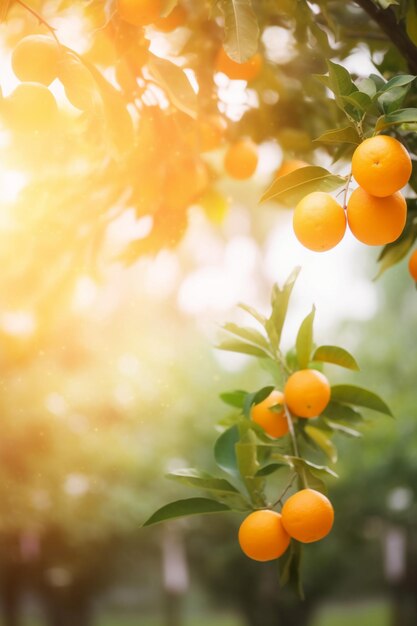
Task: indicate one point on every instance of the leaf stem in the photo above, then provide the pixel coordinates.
(40, 19)
(349, 178)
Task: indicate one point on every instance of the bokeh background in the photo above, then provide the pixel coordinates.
(109, 378)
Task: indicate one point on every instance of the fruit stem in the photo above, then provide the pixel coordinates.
(40, 19)
(294, 442)
(348, 181)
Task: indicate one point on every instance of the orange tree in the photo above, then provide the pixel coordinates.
(273, 443)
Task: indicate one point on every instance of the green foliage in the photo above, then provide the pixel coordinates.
(241, 29)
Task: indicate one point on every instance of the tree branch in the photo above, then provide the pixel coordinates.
(387, 21)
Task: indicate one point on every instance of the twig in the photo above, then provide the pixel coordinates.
(294, 442)
(279, 501)
(346, 191)
(40, 19)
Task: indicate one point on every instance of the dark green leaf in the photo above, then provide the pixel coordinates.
(290, 568)
(183, 508)
(304, 341)
(335, 355)
(403, 116)
(224, 450)
(256, 398)
(241, 29)
(271, 468)
(341, 412)
(175, 83)
(358, 396)
(398, 81)
(290, 189)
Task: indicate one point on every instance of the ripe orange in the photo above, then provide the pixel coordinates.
(241, 159)
(307, 393)
(273, 423)
(239, 71)
(381, 165)
(262, 536)
(36, 58)
(376, 221)
(177, 18)
(139, 12)
(319, 221)
(412, 265)
(308, 516)
(30, 107)
(290, 166)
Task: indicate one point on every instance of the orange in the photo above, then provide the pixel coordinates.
(139, 12)
(412, 265)
(262, 536)
(381, 165)
(307, 393)
(30, 107)
(307, 516)
(36, 58)
(273, 423)
(175, 19)
(211, 131)
(241, 159)
(290, 166)
(376, 221)
(239, 71)
(319, 221)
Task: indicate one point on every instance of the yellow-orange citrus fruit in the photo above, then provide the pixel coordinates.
(273, 423)
(376, 221)
(307, 393)
(177, 18)
(36, 58)
(211, 131)
(290, 166)
(241, 159)
(30, 107)
(381, 165)
(139, 12)
(412, 265)
(262, 536)
(319, 221)
(239, 71)
(307, 516)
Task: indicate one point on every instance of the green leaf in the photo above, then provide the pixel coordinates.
(335, 355)
(322, 440)
(340, 135)
(402, 116)
(340, 80)
(341, 412)
(344, 430)
(234, 345)
(234, 398)
(184, 508)
(280, 300)
(218, 487)
(241, 29)
(224, 450)
(175, 83)
(304, 341)
(395, 252)
(271, 468)
(367, 85)
(290, 189)
(254, 313)
(398, 81)
(391, 100)
(250, 335)
(358, 396)
(378, 80)
(358, 100)
(256, 398)
(290, 568)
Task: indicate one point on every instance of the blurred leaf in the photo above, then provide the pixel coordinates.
(367, 85)
(288, 190)
(234, 398)
(168, 6)
(342, 412)
(257, 316)
(224, 450)
(344, 430)
(358, 396)
(304, 341)
(256, 398)
(234, 345)
(398, 81)
(394, 252)
(340, 135)
(183, 508)
(322, 440)
(411, 22)
(241, 29)
(290, 568)
(175, 83)
(267, 470)
(248, 334)
(335, 355)
(280, 300)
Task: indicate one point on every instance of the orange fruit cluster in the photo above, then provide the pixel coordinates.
(306, 394)
(306, 516)
(376, 211)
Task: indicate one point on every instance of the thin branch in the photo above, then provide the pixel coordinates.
(40, 19)
(346, 190)
(388, 23)
(279, 501)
